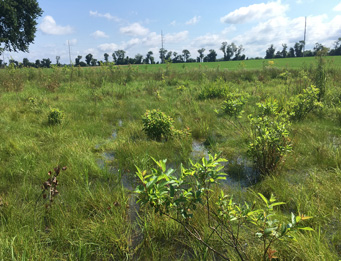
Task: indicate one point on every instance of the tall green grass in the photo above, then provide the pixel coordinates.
(91, 218)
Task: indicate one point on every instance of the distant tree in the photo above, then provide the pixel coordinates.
(37, 63)
(106, 57)
(77, 60)
(318, 47)
(149, 58)
(46, 63)
(212, 56)
(114, 57)
(120, 57)
(298, 47)
(162, 52)
(337, 48)
(138, 58)
(25, 62)
(168, 56)
(284, 51)
(291, 52)
(308, 53)
(88, 59)
(278, 54)
(18, 24)
(185, 54)
(178, 58)
(57, 60)
(14, 62)
(201, 54)
(93, 62)
(238, 55)
(270, 52)
(223, 49)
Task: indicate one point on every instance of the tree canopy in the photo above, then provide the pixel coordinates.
(18, 24)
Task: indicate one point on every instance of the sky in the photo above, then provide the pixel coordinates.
(136, 26)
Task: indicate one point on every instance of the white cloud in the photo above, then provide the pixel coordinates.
(281, 30)
(229, 29)
(194, 20)
(255, 12)
(173, 23)
(99, 34)
(108, 47)
(71, 42)
(176, 37)
(134, 29)
(208, 40)
(106, 16)
(49, 26)
(337, 8)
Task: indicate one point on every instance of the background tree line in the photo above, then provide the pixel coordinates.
(231, 52)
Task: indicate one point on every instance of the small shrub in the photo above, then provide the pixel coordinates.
(268, 108)
(300, 105)
(55, 116)
(179, 196)
(157, 125)
(233, 104)
(217, 89)
(269, 141)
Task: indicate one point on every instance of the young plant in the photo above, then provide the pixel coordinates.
(269, 141)
(55, 116)
(300, 105)
(217, 89)
(178, 198)
(158, 125)
(233, 104)
(49, 188)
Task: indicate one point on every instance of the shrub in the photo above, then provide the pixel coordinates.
(55, 116)
(157, 125)
(178, 196)
(300, 105)
(269, 141)
(217, 89)
(233, 104)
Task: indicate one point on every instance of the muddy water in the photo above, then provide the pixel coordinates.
(240, 172)
(105, 162)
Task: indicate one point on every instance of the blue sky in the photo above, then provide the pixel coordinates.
(104, 26)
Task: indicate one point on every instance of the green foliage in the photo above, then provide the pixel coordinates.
(269, 107)
(178, 198)
(217, 89)
(166, 193)
(233, 104)
(18, 24)
(320, 75)
(269, 139)
(158, 125)
(300, 105)
(55, 116)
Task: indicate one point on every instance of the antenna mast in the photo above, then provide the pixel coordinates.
(162, 53)
(305, 32)
(68, 43)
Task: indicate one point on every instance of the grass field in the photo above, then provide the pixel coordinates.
(286, 63)
(101, 141)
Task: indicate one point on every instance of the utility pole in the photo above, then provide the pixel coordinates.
(162, 54)
(305, 32)
(68, 43)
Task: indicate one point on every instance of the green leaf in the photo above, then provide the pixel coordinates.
(264, 198)
(306, 228)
